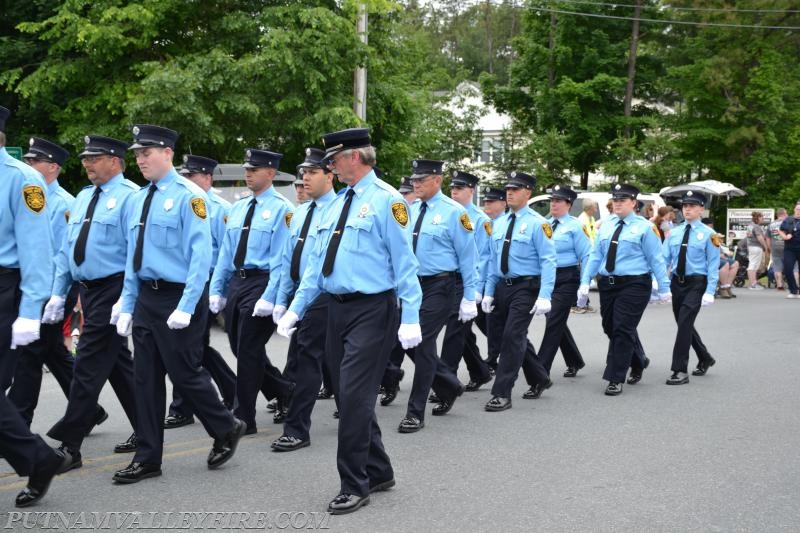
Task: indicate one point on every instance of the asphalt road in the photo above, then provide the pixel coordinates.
(718, 454)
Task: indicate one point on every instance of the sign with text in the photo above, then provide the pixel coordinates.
(739, 219)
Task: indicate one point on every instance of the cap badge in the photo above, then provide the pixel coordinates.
(185, 158)
(308, 151)
(31, 142)
(87, 139)
(689, 193)
(135, 130)
(513, 174)
(617, 187)
(414, 163)
(455, 173)
(248, 154)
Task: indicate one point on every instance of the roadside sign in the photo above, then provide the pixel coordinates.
(15, 152)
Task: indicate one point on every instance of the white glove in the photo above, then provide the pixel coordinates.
(54, 310)
(708, 299)
(583, 295)
(24, 331)
(478, 298)
(665, 297)
(179, 319)
(541, 307)
(116, 309)
(263, 308)
(655, 285)
(278, 312)
(124, 324)
(286, 324)
(486, 304)
(216, 303)
(409, 335)
(467, 310)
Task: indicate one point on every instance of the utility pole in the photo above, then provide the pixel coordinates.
(360, 77)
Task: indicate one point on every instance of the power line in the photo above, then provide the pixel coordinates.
(658, 21)
(677, 8)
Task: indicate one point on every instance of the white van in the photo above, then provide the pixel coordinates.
(541, 203)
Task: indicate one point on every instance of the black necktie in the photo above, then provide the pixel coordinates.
(79, 253)
(137, 254)
(301, 241)
(241, 248)
(414, 236)
(556, 222)
(611, 259)
(507, 244)
(333, 244)
(681, 268)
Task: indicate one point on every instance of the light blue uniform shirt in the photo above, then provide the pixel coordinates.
(531, 252)
(446, 241)
(638, 251)
(702, 255)
(25, 219)
(483, 243)
(218, 209)
(60, 204)
(269, 230)
(374, 253)
(177, 240)
(287, 285)
(572, 244)
(107, 243)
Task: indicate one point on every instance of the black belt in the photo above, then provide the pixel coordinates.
(92, 283)
(4, 270)
(613, 280)
(694, 278)
(572, 268)
(245, 273)
(161, 285)
(519, 279)
(440, 275)
(353, 296)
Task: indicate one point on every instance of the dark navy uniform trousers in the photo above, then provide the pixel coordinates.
(102, 356)
(687, 297)
(361, 332)
(456, 344)
(622, 304)
(248, 336)
(159, 351)
(557, 334)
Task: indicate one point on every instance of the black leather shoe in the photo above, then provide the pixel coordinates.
(433, 398)
(280, 416)
(444, 407)
(128, 446)
(410, 424)
(135, 472)
(389, 394)
(498, 403)
(324, 394)
(40, 478)
(678, 378)
(703, 366)
(476, 384)
(535, 392)
(383, 485)
(335, 414)
(636, 376)
(272, 405)
(177, 421)
(224, 449)
(99, 417)
(347, 503)
(614, 389)
(285, 443)
(75, 458)
(251, 430)
(571, 372)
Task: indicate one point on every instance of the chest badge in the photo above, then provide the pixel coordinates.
(437, 219)
(700, 236)
(111, 203)
(362, 213)
(168, 203)
(523, 228)
(265, 214)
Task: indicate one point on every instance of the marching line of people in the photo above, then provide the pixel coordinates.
(356, 280)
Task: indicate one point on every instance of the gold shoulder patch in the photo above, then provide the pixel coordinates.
(548, 230)
(66, 216)
(400, 213)
(34, 198)
(715, 240)
(586, 232)
(465, 221)
(655, 230)
(287, 218)
(487, 226)
(199, 208)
